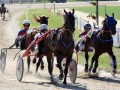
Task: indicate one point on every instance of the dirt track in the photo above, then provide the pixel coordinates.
(40, 81)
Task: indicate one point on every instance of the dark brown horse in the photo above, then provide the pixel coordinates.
(102, 42)
(3, 10)
(64, 45)
(30, 37)
(41, 19)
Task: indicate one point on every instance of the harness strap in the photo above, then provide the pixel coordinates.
(66, 46)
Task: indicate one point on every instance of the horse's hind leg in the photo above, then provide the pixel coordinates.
(38, 64)
(28, 62)
(40, 61)
(3, 16)
(42, 65)
(113, 62)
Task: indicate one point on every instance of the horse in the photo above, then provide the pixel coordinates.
(102, 42)
(42, 20)
(64, 45)
(3, 10)
(29, 38)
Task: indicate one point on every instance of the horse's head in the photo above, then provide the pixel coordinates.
(2, 5)
(110, 24)
(44, 20)
(69, 20)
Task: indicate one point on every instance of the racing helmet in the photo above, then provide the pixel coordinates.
(43, 27)
(26, 22)
(87, 26)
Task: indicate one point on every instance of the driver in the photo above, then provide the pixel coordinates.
(80, 43)
(22, 33)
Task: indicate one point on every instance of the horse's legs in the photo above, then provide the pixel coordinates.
(28, 62)
(96, 63)
(42, 64)
(86, 57)
(68, 59)
(50, 65)
(113, 62)
(86, 64)
(59, 60)
(40, 61)
(38, 64)
(3, 16)
(93, 59)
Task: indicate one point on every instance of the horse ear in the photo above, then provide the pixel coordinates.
(107, 15)
(65, 11)
(47, 17)
(113, 14)
(40, 17)
(73, 11)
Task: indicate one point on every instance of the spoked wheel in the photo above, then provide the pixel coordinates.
(73, 70)
(20, 68)
(3, 60)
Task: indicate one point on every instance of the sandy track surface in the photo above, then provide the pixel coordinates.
(41, 81)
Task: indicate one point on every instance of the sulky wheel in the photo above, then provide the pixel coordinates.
(73, 70)
(20, 68)
(3, 60)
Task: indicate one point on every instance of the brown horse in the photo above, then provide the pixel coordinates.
(3, 10)
(41, 19)
(64, 45)
(102, 42)
(29, 38)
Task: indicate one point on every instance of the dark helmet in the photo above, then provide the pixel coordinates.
(87, 26)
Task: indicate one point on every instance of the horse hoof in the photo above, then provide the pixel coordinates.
(64, 82)
(86, 70)
(61, 77)
(94, 70)
(95, 75)
(57, 65)
(42, 67)
(34, 61)
(113, 72)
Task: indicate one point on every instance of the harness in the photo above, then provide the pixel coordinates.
(66, 46)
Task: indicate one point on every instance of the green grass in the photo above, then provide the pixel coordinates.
(57, 21)
(109, 10)
(54, 20)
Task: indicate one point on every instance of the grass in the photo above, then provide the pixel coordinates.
(109, 10)
(56, 21)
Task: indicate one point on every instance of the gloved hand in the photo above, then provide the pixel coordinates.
(17, 43)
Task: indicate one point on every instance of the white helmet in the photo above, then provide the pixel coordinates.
(26, 22)
(43, 26)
